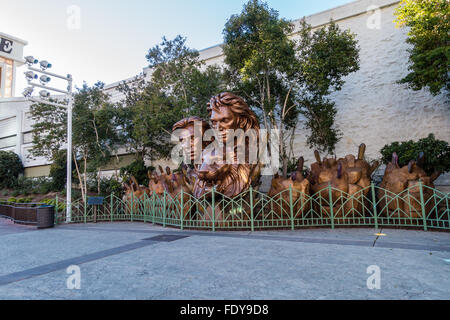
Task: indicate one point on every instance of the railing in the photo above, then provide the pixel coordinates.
(418, 207)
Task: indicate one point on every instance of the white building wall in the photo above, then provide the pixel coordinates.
(372, 108)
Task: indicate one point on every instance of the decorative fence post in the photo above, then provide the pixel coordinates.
(182, 208)
(145, 207)
(153, 207)
(213, 213)
(56, 210)
(331, 205)
(85, 208)
(422, 203)
(251, 209)
(111, 207)
(132, 206)
(164, 212)
(374, 205)
(291, 207)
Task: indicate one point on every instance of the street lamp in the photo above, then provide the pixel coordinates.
(44, 79)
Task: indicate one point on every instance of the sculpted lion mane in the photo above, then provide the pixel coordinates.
(229, 179)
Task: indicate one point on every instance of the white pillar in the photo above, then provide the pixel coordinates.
(69, 156)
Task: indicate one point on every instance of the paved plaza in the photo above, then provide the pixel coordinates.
(142, 261)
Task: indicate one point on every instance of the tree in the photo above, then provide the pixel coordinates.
(258, 54)
(282, 78)
(58, 170)
(10, 168)
(179, 86)
(178, 72)
(325, 57)
(429, 23)
(94, 133)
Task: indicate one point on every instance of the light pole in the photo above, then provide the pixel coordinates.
(44, 79)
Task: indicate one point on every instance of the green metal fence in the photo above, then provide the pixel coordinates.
(418, 206)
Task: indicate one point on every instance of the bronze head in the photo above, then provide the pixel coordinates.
(229, 111)
(195, 139)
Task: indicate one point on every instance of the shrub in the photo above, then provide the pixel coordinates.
(15, 193)
(137, 169)
(44, 188)
(58, 170)
(10, 168)
(76, 194)
(12, 200)
(437, 153)
(52, 202)
(110, 186)
(23, 200)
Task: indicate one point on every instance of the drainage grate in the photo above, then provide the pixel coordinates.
(166, 238)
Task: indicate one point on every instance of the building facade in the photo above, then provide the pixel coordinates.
(372, 107)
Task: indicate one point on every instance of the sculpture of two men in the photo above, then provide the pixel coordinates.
(223, 151)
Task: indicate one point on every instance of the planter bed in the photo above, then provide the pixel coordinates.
(38, 214)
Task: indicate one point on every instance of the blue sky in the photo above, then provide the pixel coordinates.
(114, 35)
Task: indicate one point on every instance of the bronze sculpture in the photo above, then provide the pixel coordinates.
(279, 192)
(348, 177)
(228, 113)
(399, 195)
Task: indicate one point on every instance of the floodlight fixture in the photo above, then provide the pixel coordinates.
(30, 75)
(30, 60)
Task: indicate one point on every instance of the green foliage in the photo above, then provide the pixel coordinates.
(259, 54)
(24, 200)
(10, 168)
(437, 153)
(39, 185)
(95, 136)
(177, 73)
(282, 78)
(137, 169)
(429, 23)
(110, 186)
(325, 57)
(319, 116)
(58, 170)
(179, 87)
(61, 205)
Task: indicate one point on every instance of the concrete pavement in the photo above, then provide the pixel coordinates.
(125, 261)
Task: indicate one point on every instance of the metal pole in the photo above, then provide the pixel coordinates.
(251, 209)
(374, 205)
(291, 208)
(331, 205)
(69, 155)
(422, 203)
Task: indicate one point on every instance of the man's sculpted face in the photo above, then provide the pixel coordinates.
(190, 142)
(223, 119)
